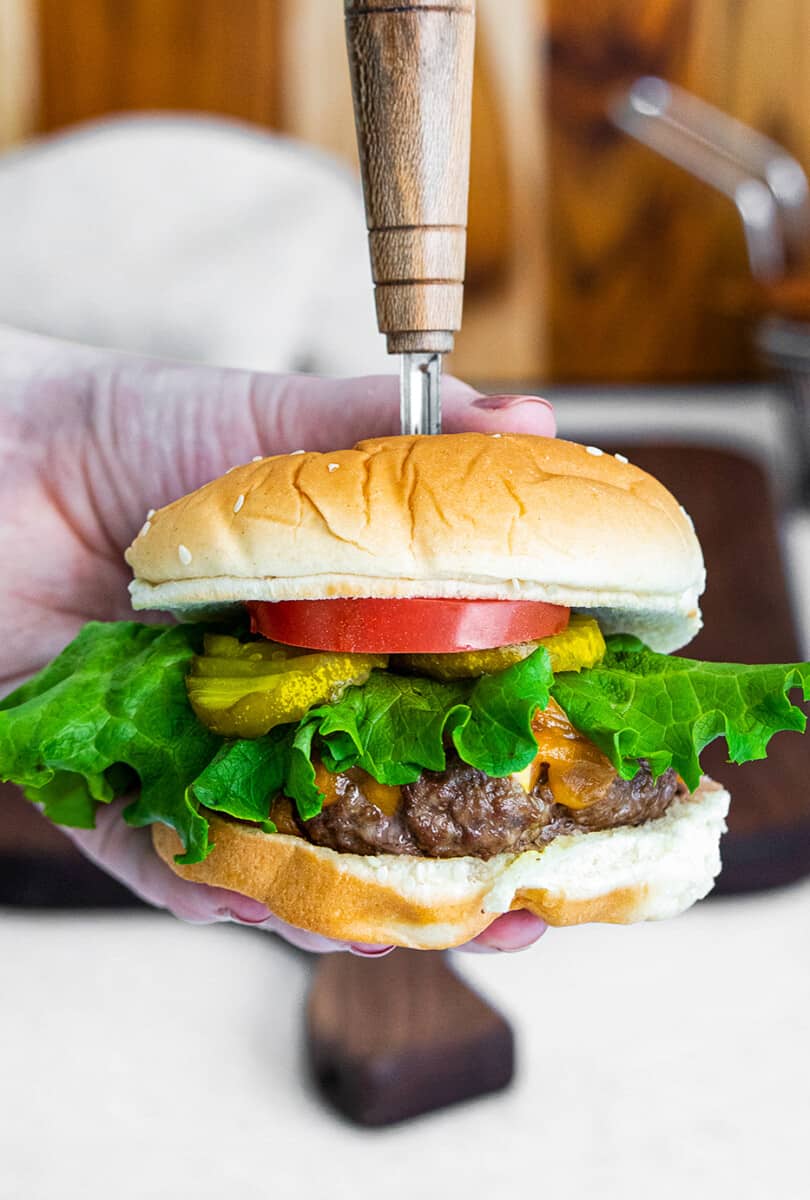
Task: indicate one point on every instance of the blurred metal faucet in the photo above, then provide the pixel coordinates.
(770, 191)
(765, 183)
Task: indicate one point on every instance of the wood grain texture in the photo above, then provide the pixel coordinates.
(504, 334)
(504, 266)
(315, 92)
(641, 254)
(588, 257)
(102, 56)
(411, 73)
(632, 238)
(19, 71)
(394, 1037)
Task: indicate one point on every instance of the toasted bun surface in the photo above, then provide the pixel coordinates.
(621, 875)
(464, 515)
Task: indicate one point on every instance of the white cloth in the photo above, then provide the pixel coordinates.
(190, 238)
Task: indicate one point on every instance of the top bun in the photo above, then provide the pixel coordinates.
(501, 516)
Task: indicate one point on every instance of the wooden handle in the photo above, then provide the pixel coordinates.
(411, 68)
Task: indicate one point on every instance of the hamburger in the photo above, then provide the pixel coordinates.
(412, 685)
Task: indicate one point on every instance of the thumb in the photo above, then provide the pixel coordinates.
(176, 427)
(303, 412)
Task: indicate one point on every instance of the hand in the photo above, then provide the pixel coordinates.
(89, 441)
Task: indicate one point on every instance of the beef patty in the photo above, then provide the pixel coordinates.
(462, 811)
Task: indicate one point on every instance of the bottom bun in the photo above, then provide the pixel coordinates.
(632, 873)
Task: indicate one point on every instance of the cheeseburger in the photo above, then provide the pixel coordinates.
(413, 685)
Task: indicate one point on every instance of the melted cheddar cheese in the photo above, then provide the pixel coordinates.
(578, 772)
(383, 795)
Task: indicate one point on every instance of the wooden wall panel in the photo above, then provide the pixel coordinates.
(643, 258)
(316, 95)
(101, 56)
(504, 333)
(19, 73)
(589, 257)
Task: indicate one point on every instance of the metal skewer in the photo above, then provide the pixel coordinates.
(411, 70)
(419, 393)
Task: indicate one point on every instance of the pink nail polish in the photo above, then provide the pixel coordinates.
(249, 912)
(500, 403)
(370, 951)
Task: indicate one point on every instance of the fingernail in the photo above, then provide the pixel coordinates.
(500, 403)
(250, 912)
(513, 931)
(515, 943)
(370, 951)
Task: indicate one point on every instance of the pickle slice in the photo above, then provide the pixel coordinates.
(245, 694)
(238, 668)
(580, 645)
(220, 645)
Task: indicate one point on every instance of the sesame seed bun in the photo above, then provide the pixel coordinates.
(640, 873)
(471, 515)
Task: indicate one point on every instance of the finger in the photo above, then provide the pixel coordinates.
(301, 412)
(512, 931)
(190, 424)
(128, 855)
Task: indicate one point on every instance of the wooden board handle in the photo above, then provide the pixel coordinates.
(411, 68)
(392, 1038)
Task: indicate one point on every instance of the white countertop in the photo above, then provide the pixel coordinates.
(141, 1057)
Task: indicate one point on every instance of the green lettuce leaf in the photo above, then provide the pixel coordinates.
(244, 776)
(111, 714)
(116, 695)
(395, 727)
(66, 800)
(497, 734)
(638, 704)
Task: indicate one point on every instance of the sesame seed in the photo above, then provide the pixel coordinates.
(594, 450)
(298, 452)
(184, 554)
(150, 514)
(333, 466)
(496, 435)
(240, 500)
(257, 458)
(620, 458)
(147, 525)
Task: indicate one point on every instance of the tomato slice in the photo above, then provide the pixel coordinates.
(418, 626)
